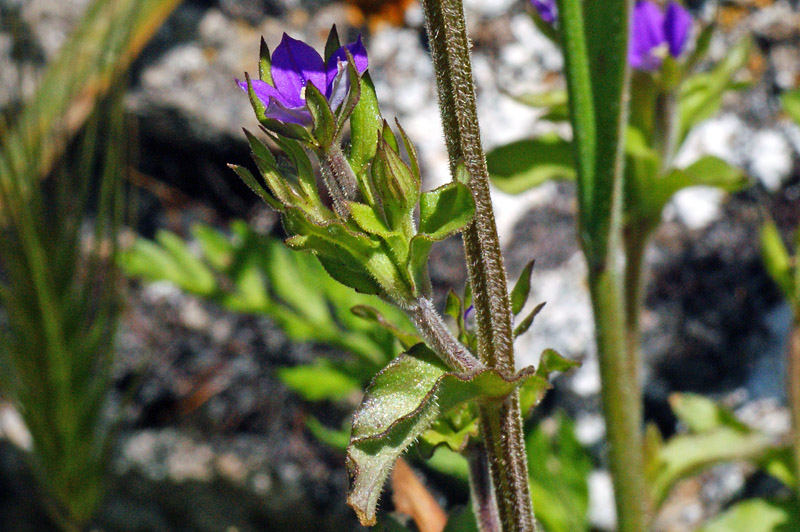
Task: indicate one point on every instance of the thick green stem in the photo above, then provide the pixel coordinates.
(621, 403)
(635, 246)
(793, 383)
(501, 424)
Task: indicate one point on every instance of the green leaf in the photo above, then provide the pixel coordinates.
(712, 171)
(701, 94)
(367, 219)
(217, 248)
(779, 462)
(525, 164)
(523, 326)
(688, 454)
(249, 180)
(791, 104)
(197, 277)
(394, 413)
(390, 524)
(522, 288)
(558, 469)
(365, 126)
(319, 381)
(776, 258)
(701, 414)
(757, 515)
(532, 392)
(445, 210)
(371, 314)
(338, 439)
(702, 43)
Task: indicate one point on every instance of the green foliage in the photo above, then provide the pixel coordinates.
(757, 515)
(525, 164)
(783, 268)
(255, 274)
(715, 436)
(393, 414)
(59, 295)
(791, 104)
(559, 467)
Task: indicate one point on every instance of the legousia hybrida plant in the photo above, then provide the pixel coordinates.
(371, 241)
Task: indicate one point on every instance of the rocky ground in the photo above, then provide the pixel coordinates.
(212, 441)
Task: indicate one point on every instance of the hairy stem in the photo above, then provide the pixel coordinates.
(440, 339)
(621, 402)
(339, 178)
(481, 489)
(501, 425)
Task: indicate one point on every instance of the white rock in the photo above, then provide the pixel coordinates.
(695, 207)
(771, 158)
(13, 428)
(602, 512)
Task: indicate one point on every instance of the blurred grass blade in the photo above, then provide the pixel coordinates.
(106, 41)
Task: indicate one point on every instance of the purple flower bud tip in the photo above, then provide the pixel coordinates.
(294, 64)
(547, 9)
(655, 33)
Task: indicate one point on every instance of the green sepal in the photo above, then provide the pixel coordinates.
(249, 180)
(522, 288)
(345, 110)
(265, 63)
(338, 439)
(393, 414)
(322, 119)
(371, 314)
(417, 263)
(525, 164)
(396, 185)
(462, 520)
(365, 126)
(288, 130)
(454, 307)
(258, 148)
(445, 211)
(332, 44)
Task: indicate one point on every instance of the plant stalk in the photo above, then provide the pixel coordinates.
(621, 397)
(430, 324)
(635, 244)
(501, 424)
(481, 490)
(794, 393)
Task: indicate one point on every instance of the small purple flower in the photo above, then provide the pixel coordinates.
(547, 9)
(294, 65)
(655, 33)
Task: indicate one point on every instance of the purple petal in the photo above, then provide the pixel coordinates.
(359, 53)
(276, 105)
(293, 64)
(647, 34)
(547, 9)
(264, 91)
(677, 24)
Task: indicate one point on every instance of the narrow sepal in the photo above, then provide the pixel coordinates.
(264, 63)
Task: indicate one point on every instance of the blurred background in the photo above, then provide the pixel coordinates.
(164, 399)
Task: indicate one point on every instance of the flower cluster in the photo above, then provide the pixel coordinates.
(654, 33)
(294, 65)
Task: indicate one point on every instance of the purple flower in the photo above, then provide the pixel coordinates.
(294, 65)
(655, 33)
(547, 9)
